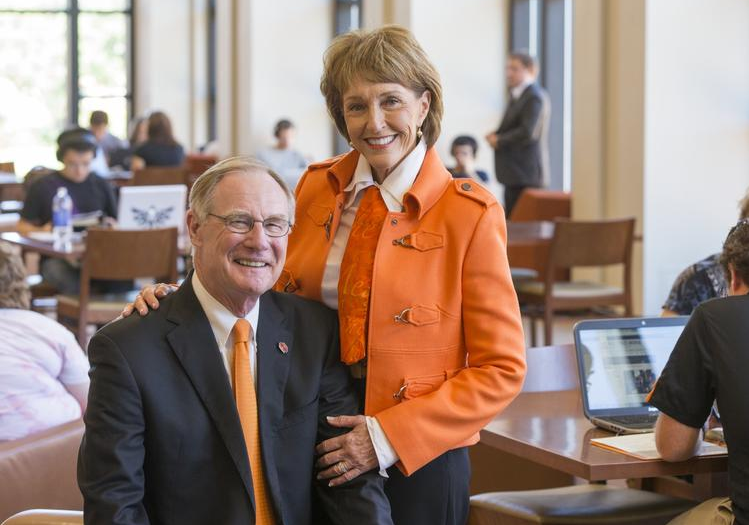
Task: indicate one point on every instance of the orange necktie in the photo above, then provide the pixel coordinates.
(244, 395)
(355, 280)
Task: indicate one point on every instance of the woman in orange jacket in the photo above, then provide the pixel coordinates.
(415, 263)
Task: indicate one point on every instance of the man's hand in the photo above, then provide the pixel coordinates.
(493, 140)
(149, 298)
(349, 455)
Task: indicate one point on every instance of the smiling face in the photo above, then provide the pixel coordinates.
(237, 268)
(381, 120)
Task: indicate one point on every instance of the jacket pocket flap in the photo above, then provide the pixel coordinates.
(419, 315)
(424, 241)
(418, 386)
(319, 214)
(286, 282)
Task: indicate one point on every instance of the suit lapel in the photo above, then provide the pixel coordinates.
(514, 106)
(193, 343)
(273, 370)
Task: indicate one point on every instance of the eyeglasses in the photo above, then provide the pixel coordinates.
(241, 223)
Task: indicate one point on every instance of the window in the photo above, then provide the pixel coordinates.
(347, 18)
(61, 60)
(543, 29)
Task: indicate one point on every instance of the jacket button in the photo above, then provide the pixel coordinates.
(394, 222)
(465, 186)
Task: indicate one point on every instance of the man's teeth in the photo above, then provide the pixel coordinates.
(251, 264)
(381, 141)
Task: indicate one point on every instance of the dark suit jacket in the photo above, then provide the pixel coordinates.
(163, 441)
(521, 155)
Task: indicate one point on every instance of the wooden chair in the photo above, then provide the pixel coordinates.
(538, 205)
(7, 167)
(160, 176)
(197, 163)
(579, 244)
(117, 254)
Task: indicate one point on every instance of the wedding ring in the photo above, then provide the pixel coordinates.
(341, 467)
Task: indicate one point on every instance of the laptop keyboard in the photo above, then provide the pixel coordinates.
(638, 420)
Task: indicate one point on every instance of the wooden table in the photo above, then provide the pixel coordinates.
(78, 247)
(549, 428)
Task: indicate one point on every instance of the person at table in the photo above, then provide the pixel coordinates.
(700, 281)
(161, 149)
(415, 264)
(89, 193)
(283, 157)
(208, 410)
(463, 149)
(43, 371)
(99, 126)
(710, 363)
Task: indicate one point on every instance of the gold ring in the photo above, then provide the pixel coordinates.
(341, 467)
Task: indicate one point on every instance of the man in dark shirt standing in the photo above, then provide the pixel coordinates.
(521, 156)
(711, 363)
(88, 191)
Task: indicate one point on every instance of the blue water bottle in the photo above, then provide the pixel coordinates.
(62, 218)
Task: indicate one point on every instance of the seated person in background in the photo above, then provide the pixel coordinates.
(711, 363)
(99, 126)
(138, 135)
(160, 150)
(463, 150)
(701, 281)
(283, 158)
(89, 192)
(43, 371)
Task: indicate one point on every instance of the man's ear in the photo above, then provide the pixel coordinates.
(192, 227)
(736, 285)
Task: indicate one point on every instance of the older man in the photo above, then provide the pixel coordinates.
(711, 363)
(208, 409)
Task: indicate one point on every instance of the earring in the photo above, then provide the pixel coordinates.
(419, 132)
(351, 144)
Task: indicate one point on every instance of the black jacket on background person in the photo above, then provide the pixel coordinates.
(164, 443)
(520, 159)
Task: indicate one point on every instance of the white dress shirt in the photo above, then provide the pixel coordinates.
(222, 322)
(392, 189)
(518, 90)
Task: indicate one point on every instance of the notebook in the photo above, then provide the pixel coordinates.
(145, 207)
(618, 362)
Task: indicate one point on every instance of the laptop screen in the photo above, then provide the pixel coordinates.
(621, 359)
(144, 207)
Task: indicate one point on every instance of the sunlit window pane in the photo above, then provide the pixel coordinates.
(33, 87)
(34, 5)
(102, 55)
(116, 108)
(103, 5)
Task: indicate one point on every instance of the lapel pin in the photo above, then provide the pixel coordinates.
(283, 347)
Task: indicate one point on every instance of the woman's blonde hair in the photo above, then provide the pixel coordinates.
(202, 191)
(389, 54)
(14, 292)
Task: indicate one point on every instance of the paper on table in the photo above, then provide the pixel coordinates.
(642, 446)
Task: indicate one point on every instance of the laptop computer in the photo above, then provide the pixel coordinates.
(618, 362)
(145, 207)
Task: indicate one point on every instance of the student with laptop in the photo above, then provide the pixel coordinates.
(89, 192)
(710, 363)
(618, 361)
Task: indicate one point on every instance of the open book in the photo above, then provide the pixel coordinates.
(642, 446)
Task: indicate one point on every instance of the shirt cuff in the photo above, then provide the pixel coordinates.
(386, 456)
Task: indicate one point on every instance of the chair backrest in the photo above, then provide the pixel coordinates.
(196, 164)
(46, 517)
(129, 254)
(160, 176)
(8, 167)
(591, 243)
(536, 204)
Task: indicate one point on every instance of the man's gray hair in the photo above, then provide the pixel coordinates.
(204, 187)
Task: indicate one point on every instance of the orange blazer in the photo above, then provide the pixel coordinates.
(445, 349)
